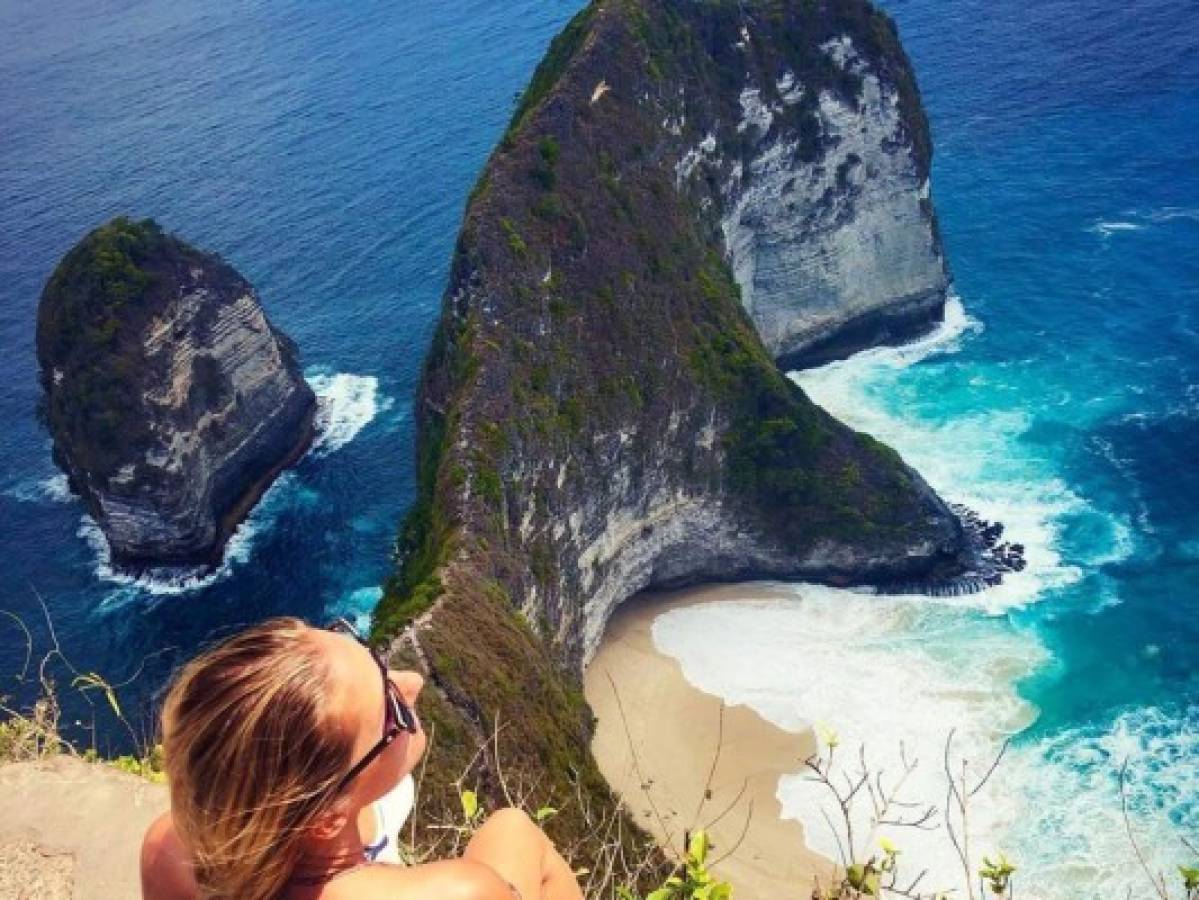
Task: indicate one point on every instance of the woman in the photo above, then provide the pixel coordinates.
(285, 748)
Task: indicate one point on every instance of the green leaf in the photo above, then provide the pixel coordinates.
(864, 878)
(93, 681)
(717, 890)
(697, 850)
(470, 805)
(1190, 877)
(855, 875)
(545, 813)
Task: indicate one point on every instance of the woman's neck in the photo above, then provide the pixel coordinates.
(324, 860)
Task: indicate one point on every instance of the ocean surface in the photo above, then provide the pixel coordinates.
(326, 150)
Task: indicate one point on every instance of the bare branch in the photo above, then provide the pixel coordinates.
(1158, 888)
(994, 765)
(666, 832)
(749, 815)
(28, 642)
(707, 791)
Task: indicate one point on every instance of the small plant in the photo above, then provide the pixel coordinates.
(34, 733)
(1190, 881)
(472, 813)
(854, 784)
(997, 873)
(515, 242)
(693, 881)
(149, 765)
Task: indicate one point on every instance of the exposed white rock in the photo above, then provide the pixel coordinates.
(693, 157)
(754, 113)
(789, 89)
(819, 246)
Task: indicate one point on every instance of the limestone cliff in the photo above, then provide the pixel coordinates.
(172, 400)
(598, 414)
(823, 184)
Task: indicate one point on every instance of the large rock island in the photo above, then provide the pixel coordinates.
(687, 190)
(172, 400)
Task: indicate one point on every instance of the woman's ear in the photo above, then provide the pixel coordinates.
(331, 822)
(409, 684)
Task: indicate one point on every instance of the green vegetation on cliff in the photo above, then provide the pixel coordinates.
(101, 284)
(91, 317)
(561, 50)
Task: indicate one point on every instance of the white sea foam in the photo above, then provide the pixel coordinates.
(357, 606)
(1173, 213)
(1108, 228)
(345, 405)
(169, 581)
(881, 671)
(56, 488)
(50, 489)
(1077, 841)
(975, 458)
(1139, 220)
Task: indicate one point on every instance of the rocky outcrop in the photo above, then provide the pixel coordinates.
(172, 400)
(828, 222)
(599, 415)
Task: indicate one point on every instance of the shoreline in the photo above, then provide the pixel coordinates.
(659, 742)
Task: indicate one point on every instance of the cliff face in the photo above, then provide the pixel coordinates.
(827, 218)
(598, 413)
(172, 400)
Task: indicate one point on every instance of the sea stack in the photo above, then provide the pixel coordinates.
(687, 193)
(172, 401)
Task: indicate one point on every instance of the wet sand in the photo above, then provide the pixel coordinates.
(661, 742)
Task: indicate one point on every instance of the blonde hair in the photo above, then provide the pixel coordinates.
(253, 754)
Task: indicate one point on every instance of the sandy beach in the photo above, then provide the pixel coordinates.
(657, 741)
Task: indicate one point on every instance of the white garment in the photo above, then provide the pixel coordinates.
(391, 812)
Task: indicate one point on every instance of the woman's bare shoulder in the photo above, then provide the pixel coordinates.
(166, 875)
(165, 869)
(458, 879)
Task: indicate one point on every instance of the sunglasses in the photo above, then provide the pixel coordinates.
(397, 715)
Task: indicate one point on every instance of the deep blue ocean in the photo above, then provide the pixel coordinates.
(326, 150)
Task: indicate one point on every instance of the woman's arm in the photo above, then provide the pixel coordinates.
(514, 846)
(457, 879)
(509, 858)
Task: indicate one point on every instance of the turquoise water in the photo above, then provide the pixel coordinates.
(326, 151)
